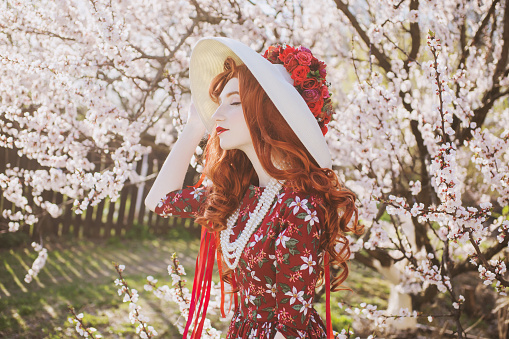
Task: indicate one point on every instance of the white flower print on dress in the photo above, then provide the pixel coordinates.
(253, 333)
(249, 298)
(282, 239)
(302, 334)
(161, 202)
(253, 273)
(297, 204)
(257, 237)
(306, 305)
(272, 289)
(279, 198)
(295, 295)
(311, 217)
(272, 257)
(308, 263)
(196, 193)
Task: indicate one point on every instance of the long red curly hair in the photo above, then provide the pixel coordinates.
(231, 172)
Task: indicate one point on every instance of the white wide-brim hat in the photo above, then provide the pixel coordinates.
(207, 61)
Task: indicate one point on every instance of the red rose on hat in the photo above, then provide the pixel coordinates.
(311, 95)
(325, 92)
(316, 107)
(299, 74)
(285, 53)
(272, 53)
(291, 63)
(309, 79)
(304, 49)
(310, 83)
(304, 58)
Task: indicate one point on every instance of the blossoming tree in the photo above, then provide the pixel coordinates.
(421, 129)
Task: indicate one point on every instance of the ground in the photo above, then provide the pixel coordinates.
(80, 273)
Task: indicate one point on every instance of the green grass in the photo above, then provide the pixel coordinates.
(81, 274)
(366, 286)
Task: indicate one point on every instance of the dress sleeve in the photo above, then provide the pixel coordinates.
(297, 257)
(183, 203)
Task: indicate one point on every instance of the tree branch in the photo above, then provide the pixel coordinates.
(415, 34)
(475, 40)
(493, 94)
(467, 266)
(502, 62)
(382, 58)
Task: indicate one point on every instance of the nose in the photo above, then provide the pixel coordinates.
(218, 114)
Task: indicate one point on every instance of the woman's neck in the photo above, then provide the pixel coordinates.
(263, 177)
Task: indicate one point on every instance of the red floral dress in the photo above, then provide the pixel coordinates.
(276, 275)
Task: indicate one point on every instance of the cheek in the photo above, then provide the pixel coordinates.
(238, 137)
(244, 128)
(240, 121)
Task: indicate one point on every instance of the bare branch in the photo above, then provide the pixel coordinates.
(502, 62)
(382, 58)
(467, 266)
(493, 94)
(475, 40)
(415, 33)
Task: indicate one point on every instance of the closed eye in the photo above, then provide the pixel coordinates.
(236, 103)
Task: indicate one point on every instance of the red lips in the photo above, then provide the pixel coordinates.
(220, 130)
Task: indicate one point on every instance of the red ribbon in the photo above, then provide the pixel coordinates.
(220, 269)
(327, 297)
(201, 285)
(234, 285)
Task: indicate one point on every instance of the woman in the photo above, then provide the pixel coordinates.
(275, 204)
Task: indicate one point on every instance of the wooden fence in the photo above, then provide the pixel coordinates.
(106, 219)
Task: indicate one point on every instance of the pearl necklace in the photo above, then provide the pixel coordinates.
(233, 250)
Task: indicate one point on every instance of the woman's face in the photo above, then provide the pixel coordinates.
(231, 125)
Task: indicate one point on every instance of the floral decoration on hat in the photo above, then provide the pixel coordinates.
(308, 74)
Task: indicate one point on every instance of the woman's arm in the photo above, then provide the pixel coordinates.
(172, 174)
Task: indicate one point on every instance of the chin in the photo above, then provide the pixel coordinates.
(225, 147)
(227, 144)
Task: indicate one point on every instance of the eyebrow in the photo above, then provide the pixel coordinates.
(228, 95)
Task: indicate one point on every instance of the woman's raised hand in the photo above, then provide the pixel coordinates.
(194, 120)
(172, 173)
